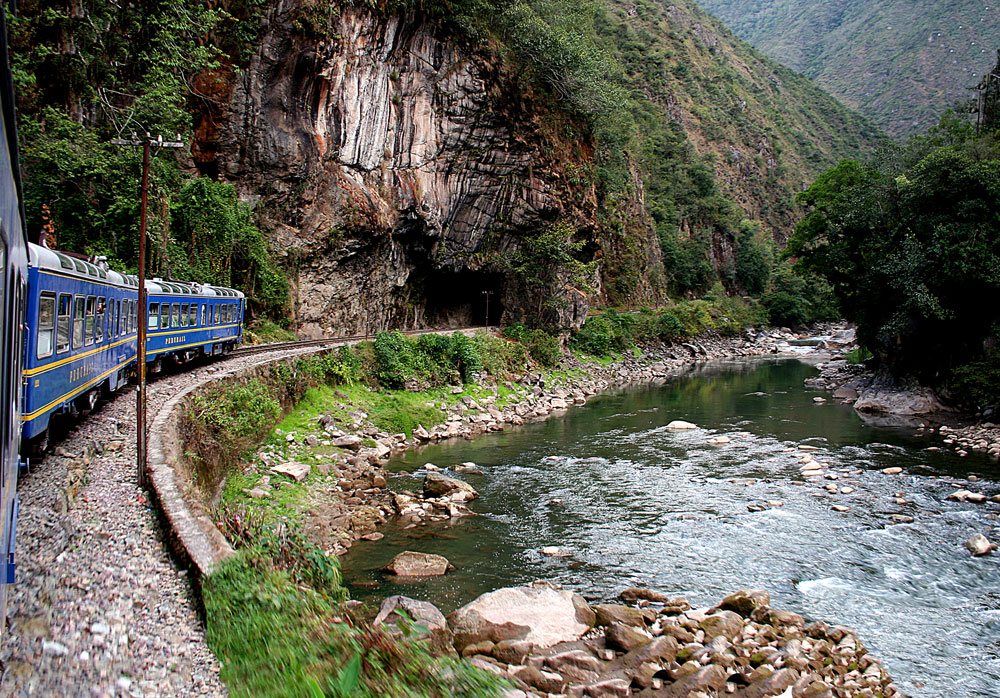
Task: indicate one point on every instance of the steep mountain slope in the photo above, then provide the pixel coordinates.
(899, 62)
(409, 161)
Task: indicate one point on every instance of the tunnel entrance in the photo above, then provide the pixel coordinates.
(459, 299)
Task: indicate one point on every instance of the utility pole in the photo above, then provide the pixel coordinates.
(487, 294)
(140, 404)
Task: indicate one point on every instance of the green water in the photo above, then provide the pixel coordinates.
(643, 505)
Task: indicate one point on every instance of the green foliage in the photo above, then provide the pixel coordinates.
(858, 356)
(546, 266)
(541, 346)
(431, 359)
(753, 260)
(216, 241)
(501, 358)
(226, 423)
(908, 243)
(108, 70)
(602, 335)
(275, 622)
(978, 383)
(793, 299)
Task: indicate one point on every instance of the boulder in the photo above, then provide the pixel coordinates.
(607, 614)
(296, 471)
(681, 424)
(633, 594)
(745, 602)
(979, 545)
(725, 623)
(437, 485)
(543, 617)
(392, 609)
(350, 441)
(624, 638)
(411, 564)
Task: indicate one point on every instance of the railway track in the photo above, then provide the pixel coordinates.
(279, 346)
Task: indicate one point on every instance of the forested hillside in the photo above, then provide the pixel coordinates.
(909, 242)
(351, 163)
(899, 62)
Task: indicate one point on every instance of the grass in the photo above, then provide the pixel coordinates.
(267, 331)
(276, 625)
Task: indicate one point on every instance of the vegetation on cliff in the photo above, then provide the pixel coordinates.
(85, 75)
(908, 241)
(901, 63)
(714, 132)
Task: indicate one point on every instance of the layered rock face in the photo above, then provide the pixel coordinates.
(397, 172)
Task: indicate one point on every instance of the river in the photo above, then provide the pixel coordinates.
(631, 503)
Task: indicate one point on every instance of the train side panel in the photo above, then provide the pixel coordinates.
(82, 340)
(13, 290)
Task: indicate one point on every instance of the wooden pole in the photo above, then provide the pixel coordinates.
(140, 404)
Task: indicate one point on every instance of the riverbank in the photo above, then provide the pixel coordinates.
(879, 399)
(322, 473)
(323, 467)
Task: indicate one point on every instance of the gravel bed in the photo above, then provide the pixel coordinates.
(99, 607)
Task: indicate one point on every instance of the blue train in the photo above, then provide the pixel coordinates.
(13, 294)
(83, 320)
(69, 328)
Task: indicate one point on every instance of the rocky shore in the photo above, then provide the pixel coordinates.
(547, 642)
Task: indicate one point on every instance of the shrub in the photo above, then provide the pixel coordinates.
(669, 328)
(978, 383)
(543, 348)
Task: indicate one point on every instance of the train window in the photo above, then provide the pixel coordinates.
(193, 322)
(65, 315)
(184, 315)
(164, 316)
(102, 310)
(134, 316)
(216, 314)
(78, 321)
(88, 329)
(176, 322)
(154, 316)
(120, 326)
(203, 314)
(46, 324)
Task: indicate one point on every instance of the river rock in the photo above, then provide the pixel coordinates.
(543, 617)
(633, 594)
(411, 564)
(351, 442)
(892, 471)
(625, 638)
(681, 424)
(421, 612)
(437, 485)
(296, 471)
(979, 545)
(608, 614)
(745, 602)
(724, 623)
(720, 440)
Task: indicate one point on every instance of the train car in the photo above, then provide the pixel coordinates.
(13, 291)
(82, 338)
(186, 321)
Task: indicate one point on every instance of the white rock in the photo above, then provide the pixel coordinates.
(543, 617)
(979, 545)
(296, 471)
(56, 649)
(892, 471)
(680, 424)
(721, 440)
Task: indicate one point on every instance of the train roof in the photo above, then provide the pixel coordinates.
(44, 258)
(189, 288)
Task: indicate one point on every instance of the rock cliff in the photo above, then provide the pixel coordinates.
(398, 171)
